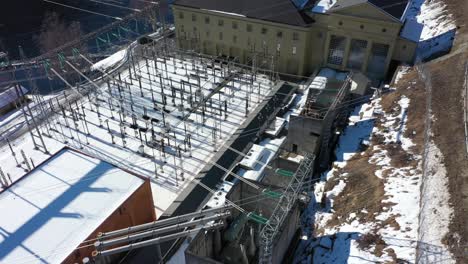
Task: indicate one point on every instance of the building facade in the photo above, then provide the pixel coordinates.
(358, 35)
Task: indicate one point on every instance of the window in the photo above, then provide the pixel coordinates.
(249, 28)
(194, 17)
(279, 34)
(336, 50)
(195, 29)
(181, 15)
(278, 47)
(220, 22)
(295, 36)
(357, 54)
(294, 51)
(234, 39)
(182, 28)
(384, 30)
(207, 33)
(220, 35)
(234, 25)
(378, 58)
(294, 148)
(361, 26)
(340, 23)
(264, 31)
(207, 20)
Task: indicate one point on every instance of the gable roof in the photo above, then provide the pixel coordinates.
(279, 11)
(394, 8)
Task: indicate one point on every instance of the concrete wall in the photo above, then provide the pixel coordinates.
(287, 231)
(304, 133)
(137, 209)
(405, 50)
(201, 249)
(273, 178)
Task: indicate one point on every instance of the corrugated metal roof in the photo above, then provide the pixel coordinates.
(279, 11)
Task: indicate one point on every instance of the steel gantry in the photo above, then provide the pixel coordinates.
(283, 207)
(157, 232)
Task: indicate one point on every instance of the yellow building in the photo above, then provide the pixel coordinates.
(302, 35)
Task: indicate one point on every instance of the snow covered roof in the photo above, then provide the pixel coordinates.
(10, 95)
(264, 152)
(279, 11)
(276, 126)
(55, 207)
(255, 154)
(110, 61)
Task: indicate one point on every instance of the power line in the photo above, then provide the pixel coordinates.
(118, 6)
(84, 10)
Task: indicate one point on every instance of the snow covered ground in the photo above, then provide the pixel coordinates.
(341, 243)
(431, 25)
(188, 146)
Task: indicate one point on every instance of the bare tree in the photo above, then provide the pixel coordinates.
(55, 32)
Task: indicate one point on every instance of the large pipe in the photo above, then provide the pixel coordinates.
(128, 238)
(157, 240)
(158, 223)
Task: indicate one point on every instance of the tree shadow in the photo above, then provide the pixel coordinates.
(51, 210)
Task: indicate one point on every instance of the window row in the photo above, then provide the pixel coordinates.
(249, 42)
(234, 24)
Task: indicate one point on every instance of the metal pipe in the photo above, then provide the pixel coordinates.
(155, 240)
(158, 223)
(128, 238)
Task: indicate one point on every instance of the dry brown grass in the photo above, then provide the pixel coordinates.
(447, 105)
(363, 194)
(447, 82)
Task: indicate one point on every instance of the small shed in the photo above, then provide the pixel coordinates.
(10, 97)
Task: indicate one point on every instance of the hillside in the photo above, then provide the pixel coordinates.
(397, 192)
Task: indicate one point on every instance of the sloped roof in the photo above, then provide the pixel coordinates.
(279, 11)
(10, 95)
(300, 3)
(395, 8)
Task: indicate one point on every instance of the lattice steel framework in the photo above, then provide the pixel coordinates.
(283, 207)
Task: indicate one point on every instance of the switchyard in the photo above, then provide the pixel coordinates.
(188, 123)
(222, 132)
(164, 117)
